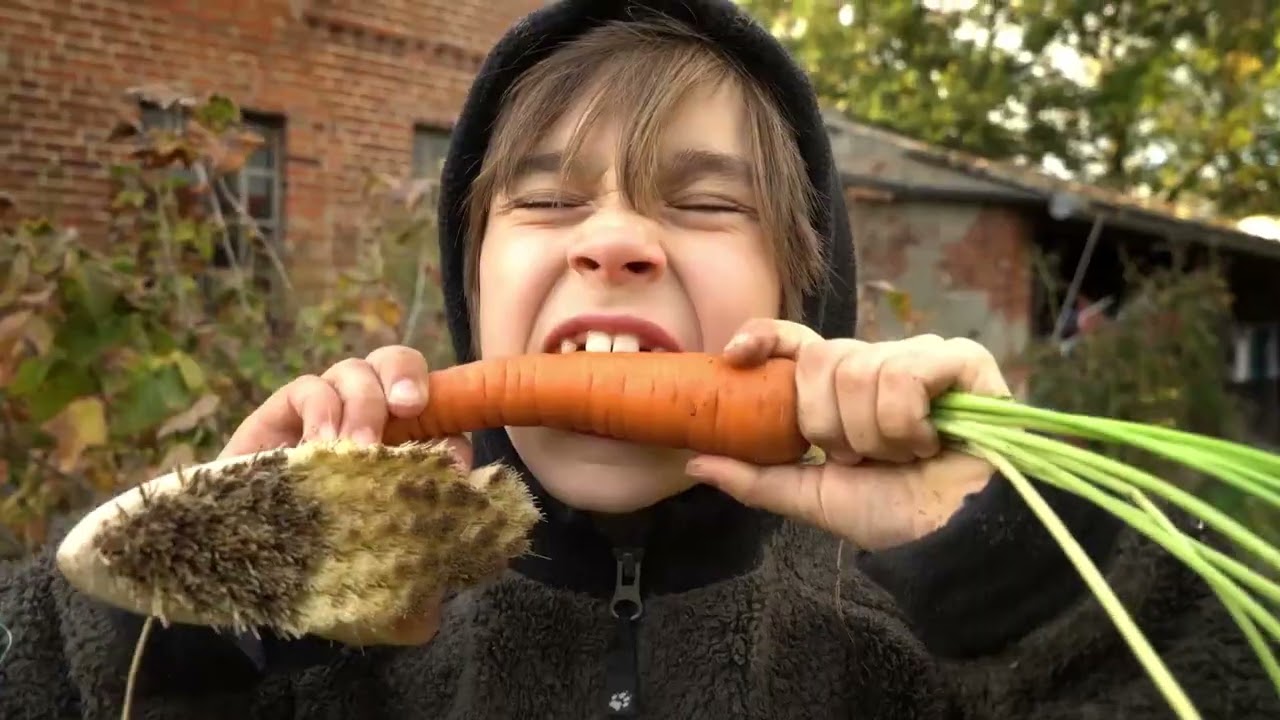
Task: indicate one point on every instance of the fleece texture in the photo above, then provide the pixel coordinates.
(796, 637)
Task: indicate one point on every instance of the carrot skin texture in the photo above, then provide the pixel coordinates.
(692, 401)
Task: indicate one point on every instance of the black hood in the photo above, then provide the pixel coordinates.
(701, 535)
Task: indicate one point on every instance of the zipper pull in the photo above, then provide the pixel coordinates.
(622, 679)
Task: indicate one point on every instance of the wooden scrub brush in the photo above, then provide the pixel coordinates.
(327, 539)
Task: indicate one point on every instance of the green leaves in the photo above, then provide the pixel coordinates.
(154, 393)
(122, 356)
(1149, 94)
(49, 383)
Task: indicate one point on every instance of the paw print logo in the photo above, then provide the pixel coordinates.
(620, 701)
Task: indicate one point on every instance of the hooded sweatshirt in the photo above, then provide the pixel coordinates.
(697, 607)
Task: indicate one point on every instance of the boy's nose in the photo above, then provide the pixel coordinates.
(618, 258)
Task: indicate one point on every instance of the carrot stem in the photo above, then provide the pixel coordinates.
(1136, 478)
(1097, 583)
(1081, 480)
(1250, 469)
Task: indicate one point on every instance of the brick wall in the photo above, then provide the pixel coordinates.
(349, 78)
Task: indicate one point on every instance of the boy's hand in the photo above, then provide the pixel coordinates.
(352, 400)
(887, 479)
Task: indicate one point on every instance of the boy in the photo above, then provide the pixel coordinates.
(620, 181)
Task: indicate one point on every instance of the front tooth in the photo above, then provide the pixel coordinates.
(626, 343)
(568, 346)
(598, 341)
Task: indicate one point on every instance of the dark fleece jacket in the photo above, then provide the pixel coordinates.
(698, 607)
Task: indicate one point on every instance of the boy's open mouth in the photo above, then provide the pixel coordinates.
(609, 333)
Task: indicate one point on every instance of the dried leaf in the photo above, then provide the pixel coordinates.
(189, 418)
(34, 531)
(17, 330)
(124, 130)
(165, 152)
(380, 312)
(13, 326)
(161, 95)
(39, 335)
(37, 298)
(180, 455)
(78, 426)
(229, 152)
(19, 276)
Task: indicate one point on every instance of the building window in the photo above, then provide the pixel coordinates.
(256, 188)
(430, 145)
(155, 117)
(1255, 376)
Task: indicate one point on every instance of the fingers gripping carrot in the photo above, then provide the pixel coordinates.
(694, 401)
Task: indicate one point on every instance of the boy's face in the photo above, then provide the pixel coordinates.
(592, 274)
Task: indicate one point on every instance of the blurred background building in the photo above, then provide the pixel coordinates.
(337, 87)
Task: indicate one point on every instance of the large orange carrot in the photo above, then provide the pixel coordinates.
(693, 401)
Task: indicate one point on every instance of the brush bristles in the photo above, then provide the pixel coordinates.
(217, 548)
(321, 538)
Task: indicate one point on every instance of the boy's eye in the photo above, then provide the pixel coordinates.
(544, 203)
(709, 207)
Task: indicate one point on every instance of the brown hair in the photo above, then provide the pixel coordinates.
(638, 72)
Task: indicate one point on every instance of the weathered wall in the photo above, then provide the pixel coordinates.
(964, 268)
(349, 77)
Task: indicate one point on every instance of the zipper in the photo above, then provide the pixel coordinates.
(622, 674)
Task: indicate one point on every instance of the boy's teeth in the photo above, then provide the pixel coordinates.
(626, 343)
(568, 346)
(597, 341)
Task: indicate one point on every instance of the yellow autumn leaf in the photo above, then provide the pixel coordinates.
(900, 304)
(82, 424)
(377, 313)
(192, 373)
(390, 311)
(1242, 64)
